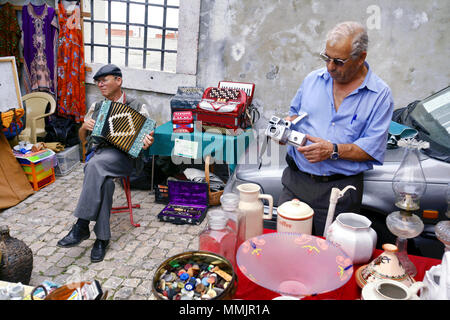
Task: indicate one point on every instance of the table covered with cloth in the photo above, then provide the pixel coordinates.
(248, 290)
(225, 148)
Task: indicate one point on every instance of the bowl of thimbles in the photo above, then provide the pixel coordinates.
(195, 275)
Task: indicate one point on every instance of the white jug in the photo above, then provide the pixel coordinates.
(352, 232)
(437, 281)
(253, 208)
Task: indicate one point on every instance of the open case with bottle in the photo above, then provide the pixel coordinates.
(188, 202)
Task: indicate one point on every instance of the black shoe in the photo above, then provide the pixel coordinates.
(99, 250)
(74, 237)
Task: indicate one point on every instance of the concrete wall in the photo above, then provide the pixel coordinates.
(275, 44)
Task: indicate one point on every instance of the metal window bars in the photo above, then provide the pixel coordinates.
(148, 5)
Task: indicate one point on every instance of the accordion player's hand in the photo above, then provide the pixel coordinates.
(148, 140)
(88, 124)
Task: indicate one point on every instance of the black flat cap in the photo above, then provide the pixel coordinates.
(106, 70)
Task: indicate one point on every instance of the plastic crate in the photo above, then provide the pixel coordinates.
(40, 173)
(67, 160)
(37, 176)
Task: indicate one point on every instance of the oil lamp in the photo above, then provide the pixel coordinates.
(409, 185)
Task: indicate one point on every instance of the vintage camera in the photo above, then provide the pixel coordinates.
(280, 131)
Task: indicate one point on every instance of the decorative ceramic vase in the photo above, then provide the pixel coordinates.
(384, 267)
(352, 232)
(253, 209)
(17, 258)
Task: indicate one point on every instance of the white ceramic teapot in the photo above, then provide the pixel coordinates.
(390, 290)
(352, 232)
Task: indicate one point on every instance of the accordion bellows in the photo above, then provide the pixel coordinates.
(123, 127)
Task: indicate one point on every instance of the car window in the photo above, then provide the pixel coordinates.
(431, 117)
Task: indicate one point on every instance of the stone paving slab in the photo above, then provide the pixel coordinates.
(133, 255)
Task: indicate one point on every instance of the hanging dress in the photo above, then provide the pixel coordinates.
(71, 98)
(10, 33)
(39, 26)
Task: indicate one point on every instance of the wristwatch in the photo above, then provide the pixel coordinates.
(334, 155)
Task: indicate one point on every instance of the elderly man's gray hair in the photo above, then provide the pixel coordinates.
(350, 29)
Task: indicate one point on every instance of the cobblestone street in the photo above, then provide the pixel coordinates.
(133, 255)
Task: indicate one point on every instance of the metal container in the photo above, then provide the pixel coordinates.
(197, 257)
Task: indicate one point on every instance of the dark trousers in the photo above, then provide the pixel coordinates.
(96, 197)
(316, 194)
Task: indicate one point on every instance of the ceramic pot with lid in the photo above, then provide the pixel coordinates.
(295, 216)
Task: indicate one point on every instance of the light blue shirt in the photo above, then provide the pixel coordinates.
(363, 119)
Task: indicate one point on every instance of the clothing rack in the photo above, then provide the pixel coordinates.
(83, 14)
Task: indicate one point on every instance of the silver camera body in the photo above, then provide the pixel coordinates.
(280, 130)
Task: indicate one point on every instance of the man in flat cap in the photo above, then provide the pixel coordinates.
(103, 164)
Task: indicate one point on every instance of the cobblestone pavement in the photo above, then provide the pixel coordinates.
(133, 255)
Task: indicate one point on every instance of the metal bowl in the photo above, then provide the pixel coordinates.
(198, 257)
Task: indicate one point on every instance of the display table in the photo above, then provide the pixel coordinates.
(224, 148)
(248, 290)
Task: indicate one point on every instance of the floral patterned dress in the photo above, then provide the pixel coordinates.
(10, 33)
(39, 28)
(71, 97)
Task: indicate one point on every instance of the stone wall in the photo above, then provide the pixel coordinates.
(275, 44)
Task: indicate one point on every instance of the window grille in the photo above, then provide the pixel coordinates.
(137, 34)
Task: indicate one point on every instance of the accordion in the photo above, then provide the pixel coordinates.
(186, 99)
(123, 127)
(226, 105)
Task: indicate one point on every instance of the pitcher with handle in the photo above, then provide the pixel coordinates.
(253, 208)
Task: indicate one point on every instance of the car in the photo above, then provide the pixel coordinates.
(430, 117)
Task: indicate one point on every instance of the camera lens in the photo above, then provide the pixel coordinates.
(273, 129)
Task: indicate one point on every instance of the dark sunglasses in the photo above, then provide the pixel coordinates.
(336, 61)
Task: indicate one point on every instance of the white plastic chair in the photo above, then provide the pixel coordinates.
(36, 103)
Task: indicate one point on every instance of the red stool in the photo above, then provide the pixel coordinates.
(130, 206)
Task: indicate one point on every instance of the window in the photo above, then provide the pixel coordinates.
(148, 39)
(140, 33)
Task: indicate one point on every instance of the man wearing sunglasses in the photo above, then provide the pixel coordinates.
(103, 163)
(349, 111)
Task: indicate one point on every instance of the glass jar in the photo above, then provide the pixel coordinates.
(218, 237)
(236, 219)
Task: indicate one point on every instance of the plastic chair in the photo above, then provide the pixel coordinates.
(36, 104)
(129, 207)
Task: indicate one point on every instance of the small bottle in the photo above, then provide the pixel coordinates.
(218, 237)
(230, 204)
